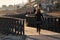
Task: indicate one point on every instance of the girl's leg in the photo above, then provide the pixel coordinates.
(37, 28)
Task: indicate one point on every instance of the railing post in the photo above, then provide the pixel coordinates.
(59, 25)
(18, 26)
(23, 28)
(12, 25)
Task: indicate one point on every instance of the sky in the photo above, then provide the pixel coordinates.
(11, 2)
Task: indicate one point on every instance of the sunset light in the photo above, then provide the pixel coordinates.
(12, 2)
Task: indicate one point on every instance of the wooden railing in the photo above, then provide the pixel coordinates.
(49, 23)
(12, 25)
(52, 23)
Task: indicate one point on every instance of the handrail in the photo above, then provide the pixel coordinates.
(11, 17)
(11, 23)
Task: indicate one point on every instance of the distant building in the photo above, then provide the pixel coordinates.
(10, 7)
(15, 7)
(4, 7)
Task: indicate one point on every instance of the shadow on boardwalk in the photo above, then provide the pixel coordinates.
(21, 37)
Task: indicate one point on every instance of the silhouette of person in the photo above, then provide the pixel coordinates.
(39, 18)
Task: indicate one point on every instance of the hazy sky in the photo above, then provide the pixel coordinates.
(8, 2)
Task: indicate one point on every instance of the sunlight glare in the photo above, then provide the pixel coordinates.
(12, 2)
